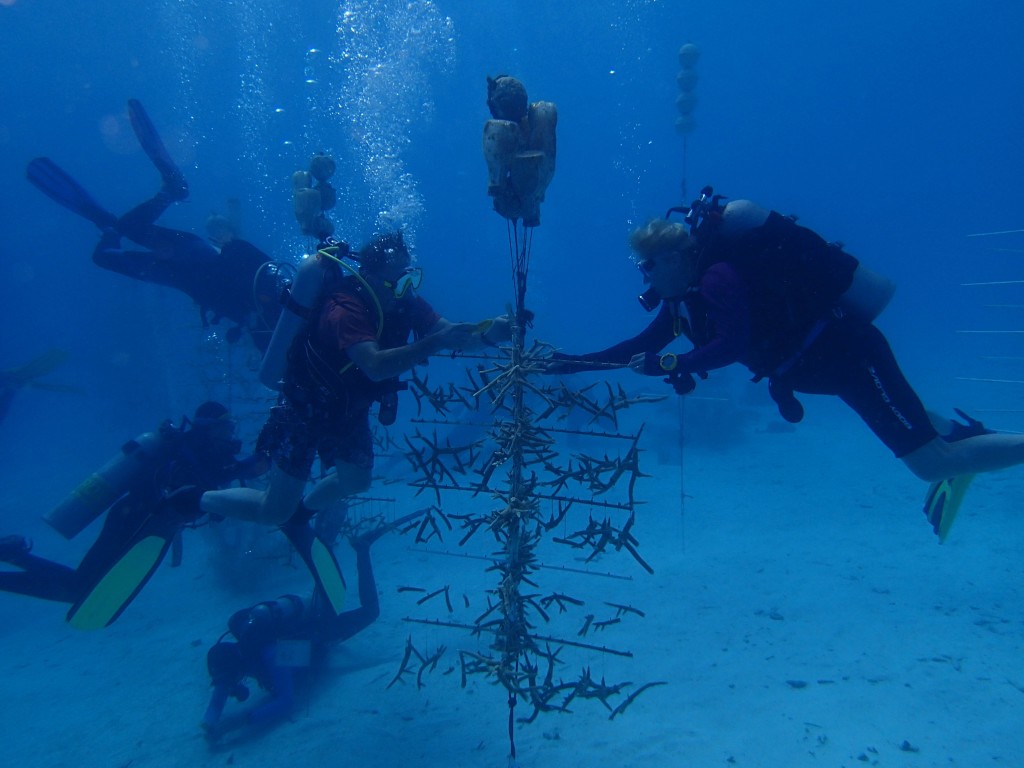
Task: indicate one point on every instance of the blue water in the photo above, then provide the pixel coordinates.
(894, 127)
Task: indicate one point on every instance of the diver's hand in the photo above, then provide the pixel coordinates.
(667, 365)
(654, 364)
(455, 336)
(639, 363)
(557, 363)
(496, 331)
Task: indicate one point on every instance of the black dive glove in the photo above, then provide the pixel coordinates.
(659, 365)
(972, 428)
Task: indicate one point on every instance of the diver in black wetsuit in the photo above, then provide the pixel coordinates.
(227, 277)
(275, 639)
(199, 453)
(747, 285)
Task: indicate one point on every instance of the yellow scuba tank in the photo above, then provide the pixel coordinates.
(302, 296)
(106, 485)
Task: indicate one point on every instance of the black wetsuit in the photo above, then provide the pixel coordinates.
(763, 300)
(187, 458)
(223, 283)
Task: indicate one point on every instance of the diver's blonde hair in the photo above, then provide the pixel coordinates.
(660, 236)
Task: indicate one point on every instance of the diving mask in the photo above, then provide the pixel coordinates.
(411, 277)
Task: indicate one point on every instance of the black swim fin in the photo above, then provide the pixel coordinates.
(115, 589)
(174, 186)
(57, 185)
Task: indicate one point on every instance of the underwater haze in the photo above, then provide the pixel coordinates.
(801, 612)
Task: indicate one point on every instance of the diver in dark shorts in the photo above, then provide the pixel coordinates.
(747, 285)
(355, 333)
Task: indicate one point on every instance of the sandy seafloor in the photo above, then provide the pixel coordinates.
(801, 614)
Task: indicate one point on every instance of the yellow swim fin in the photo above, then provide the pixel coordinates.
(119, 585)
(320, 560)
(328, 573)
(943, 501)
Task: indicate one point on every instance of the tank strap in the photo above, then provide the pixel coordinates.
(294, 307)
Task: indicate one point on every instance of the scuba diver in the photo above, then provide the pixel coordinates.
(339, 347)
(276, 639)
(228, 278)
(137, 532)
(12, 380)
(749, 285)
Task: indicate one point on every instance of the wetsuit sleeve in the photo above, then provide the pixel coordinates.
(216, 706)
(653, 338)
(281, 688)
(723, 300)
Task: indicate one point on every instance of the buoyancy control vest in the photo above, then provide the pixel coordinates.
(794, 280)
(323, 376)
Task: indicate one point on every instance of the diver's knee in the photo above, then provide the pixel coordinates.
(362, 483)
(928, 462)
(353, 478)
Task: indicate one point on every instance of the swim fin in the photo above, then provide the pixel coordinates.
(57, 185)
(174, 186)
(943, 501)
(37, 367)
(115, 589)
(320, 560)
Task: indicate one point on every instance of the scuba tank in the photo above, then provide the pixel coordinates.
(301, 300)
(268, 621)
(106, 485)
(868, 293)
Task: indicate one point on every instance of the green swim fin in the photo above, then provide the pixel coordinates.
(943, 501)
(114, 591)
(320, 560)
(328, 573)
(56, 184)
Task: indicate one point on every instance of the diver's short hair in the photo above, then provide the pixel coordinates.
(383, 250)
(225, 664)
(660, 236)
